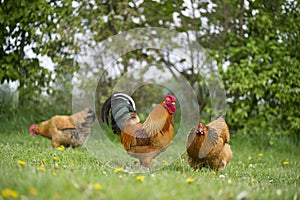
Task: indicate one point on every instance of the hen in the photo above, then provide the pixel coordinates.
(66, 130)
(142, 141)
(208, 145)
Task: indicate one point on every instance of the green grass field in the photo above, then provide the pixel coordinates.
(31, 169)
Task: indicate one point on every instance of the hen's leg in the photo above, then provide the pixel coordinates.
(225, 156)
(55, 137)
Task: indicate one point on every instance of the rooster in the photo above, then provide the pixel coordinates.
(142, 141)
(66, 130)
(208, 145)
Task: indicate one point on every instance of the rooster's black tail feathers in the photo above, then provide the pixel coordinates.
(119, 106)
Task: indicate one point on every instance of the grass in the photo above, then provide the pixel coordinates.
(257, 171)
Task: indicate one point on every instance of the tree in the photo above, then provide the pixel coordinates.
(255, 45)
(44, 29)
(261, 76)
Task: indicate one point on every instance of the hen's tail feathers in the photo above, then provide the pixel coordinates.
(84, 118)
(119, 106)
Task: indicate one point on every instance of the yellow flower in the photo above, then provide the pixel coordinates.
(285, 162)
(117, 170)
(260, 155)
(21, 162)
(32, 191)
(55, 158)
(54, 174)
(9, 193)
(60, 148)
(249, 158)
(229, 181)
(189, 180)
(97, 186)
(214, 172)
(165, 163)
(140, 178)
(41, 169)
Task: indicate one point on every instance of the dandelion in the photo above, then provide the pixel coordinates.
(54, 174)
(260, 155)
(60, 148)
(41, 169)
(249, 158)
(7, 193)
(21, 162)
(55, 158)
(214, 172)
(285, 162)
(97, 186)
(165, 163)
(32, 191)
(189, 180)
(140, 178)
(117, 170)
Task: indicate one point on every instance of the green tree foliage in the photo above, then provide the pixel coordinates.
(254, 43)
(262, 75)
(44, 29)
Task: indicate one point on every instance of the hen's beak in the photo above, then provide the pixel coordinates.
(34, 133)
(200, 132)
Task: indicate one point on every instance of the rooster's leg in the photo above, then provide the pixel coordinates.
(146, 162)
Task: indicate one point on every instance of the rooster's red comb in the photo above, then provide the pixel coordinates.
(171, 97)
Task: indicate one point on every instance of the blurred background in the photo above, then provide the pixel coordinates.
(255, 46)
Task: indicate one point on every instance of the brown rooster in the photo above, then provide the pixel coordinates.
(66, 130)
(208, 145)
(142, 141)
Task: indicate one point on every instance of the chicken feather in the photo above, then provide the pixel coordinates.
(154, 123)
(66, 130)
(143, 141)
(208, 145)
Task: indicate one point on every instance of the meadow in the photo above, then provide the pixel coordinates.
(31, 169)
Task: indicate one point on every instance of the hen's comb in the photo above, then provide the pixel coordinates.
(31, 127)
(201, 125)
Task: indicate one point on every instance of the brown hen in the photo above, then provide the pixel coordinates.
(208, 145)
(66, 130)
